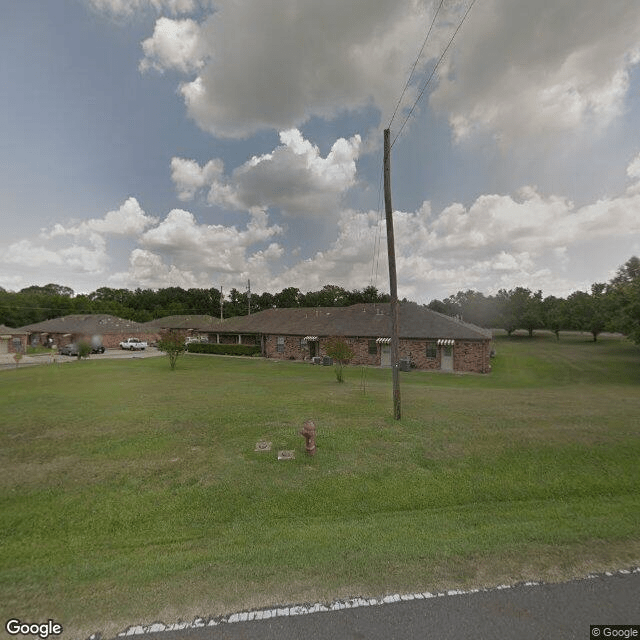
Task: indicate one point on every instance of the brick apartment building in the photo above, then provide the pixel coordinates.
(427, 340)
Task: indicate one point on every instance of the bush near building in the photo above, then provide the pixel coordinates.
(224, 349)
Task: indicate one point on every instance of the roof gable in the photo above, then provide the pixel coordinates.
(8, 330)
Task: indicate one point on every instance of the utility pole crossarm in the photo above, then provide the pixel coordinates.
(393, 282)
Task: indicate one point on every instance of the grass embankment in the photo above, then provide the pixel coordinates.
(130, 493)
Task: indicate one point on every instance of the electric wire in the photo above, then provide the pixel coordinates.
(377, 238)
(424, 88)
(415, 64)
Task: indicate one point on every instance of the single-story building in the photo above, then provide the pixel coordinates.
(109, 330)
(205, 328)
(189, 326)
(12, 340)
(427, 339)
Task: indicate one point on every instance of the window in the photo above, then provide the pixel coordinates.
(280, 344)
(373, 348)
(432, 349)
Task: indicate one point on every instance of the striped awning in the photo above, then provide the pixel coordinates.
(310, 338)
(383, 340)
(446, 343)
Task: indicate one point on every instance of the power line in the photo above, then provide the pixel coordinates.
(376, 238)
(424, 88)
(415, 64)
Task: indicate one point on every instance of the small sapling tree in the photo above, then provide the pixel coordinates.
(84, 349)
(341, 353)
(173, 345)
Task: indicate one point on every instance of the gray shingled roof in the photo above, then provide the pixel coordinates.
(8, 330)
(87, 324)
(363, 320)
(198, 322)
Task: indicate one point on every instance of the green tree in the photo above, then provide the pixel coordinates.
(623, 295)
(532, 317)
(287, 298)
(588, 312)
(341, 353)
(173, 345)
(554, 314)
(507, 312)
(84, 349)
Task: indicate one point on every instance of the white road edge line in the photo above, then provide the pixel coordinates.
(336, 605)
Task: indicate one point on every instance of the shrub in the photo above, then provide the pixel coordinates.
(224, 349)
(84, 349)
(173, 345)
(341, 353)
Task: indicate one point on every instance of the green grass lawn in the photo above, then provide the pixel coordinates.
(130, 493)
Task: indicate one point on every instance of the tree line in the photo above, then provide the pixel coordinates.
(612, 306)
(37, 303)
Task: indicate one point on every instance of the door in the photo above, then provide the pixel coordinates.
(385, 355)
(446, 358)
(313, 348)
(4, 345)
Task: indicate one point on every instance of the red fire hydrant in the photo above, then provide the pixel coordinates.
(309, 433)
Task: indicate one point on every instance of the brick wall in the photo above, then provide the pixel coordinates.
(14, 344)
(360, 347)
(416, 351)
(291, 349)
(472, 355)
(468, 355)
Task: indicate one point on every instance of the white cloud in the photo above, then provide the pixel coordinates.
(633, 170)
(516, 71)
(91, 259)
(499, 241)
(274, 68)
(76, 258)
(182, 252)
(523, 70)
(24, 252)
(128, 220)
(294, 177)
(128, 8)
(175, 44)
(189, 178)
(215, 246)
(88, 251)
(148, 269)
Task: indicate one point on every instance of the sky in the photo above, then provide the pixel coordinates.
(206, 143)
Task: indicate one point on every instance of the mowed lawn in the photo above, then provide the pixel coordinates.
(130, 493)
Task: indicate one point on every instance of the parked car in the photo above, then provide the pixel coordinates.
(133, 344)
(97, 348)
(69, 349)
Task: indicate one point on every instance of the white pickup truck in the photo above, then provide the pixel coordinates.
(133, 344)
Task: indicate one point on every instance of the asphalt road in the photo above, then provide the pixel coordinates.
(523, 612)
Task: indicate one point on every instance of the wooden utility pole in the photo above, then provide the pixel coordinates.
(221, 302)
(393, 282)
(249, 297)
